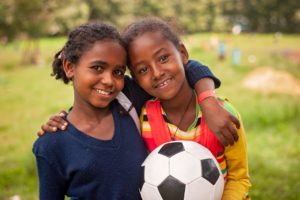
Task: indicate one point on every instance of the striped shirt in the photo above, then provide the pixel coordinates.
(232, 161)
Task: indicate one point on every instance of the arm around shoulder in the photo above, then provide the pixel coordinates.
(196, 71)
(238, 179)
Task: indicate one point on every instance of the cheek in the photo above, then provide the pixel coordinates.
(119, 84)
(145, 83)
(178, 67)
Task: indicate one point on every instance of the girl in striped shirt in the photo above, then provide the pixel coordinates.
(157, 58)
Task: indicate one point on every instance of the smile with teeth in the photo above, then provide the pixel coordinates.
(103, 92)
(164, 83)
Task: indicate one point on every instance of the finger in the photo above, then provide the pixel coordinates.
(47, 128)
(61, 122)
(235, 121)
(232, 129)
(222, 140)
(56, 124)
(62, 113)
(228, 136)
(40, 133)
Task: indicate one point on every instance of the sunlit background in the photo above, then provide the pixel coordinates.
(252, 46)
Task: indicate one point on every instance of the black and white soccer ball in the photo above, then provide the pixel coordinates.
(181, 170)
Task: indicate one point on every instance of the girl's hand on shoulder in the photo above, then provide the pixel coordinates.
(55, 122)
(220, 121)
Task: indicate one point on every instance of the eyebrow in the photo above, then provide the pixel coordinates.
(106, 64)
(155, 54)
(121, 66)
(99, 62)
(159, 51)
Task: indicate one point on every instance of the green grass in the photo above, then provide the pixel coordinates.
(29, 95)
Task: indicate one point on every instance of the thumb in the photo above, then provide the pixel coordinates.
(62, 113)
(40, 133)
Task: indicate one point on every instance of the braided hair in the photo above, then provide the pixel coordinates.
(79, 41)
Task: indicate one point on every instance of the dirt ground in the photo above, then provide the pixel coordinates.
(268, 80)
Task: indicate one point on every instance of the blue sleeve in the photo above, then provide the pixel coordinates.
(195, 71)
(51, 184)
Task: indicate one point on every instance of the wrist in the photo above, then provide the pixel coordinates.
(208, 94)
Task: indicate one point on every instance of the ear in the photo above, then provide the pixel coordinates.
(69, 69)
(184, 53)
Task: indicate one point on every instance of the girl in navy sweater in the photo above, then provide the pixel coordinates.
(94, 158)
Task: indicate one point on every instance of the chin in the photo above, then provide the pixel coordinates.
(166, 96)
(101, 104)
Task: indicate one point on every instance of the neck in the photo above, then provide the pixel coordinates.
(95, 122)
(181, 108)
(179, 102)
(82, 114)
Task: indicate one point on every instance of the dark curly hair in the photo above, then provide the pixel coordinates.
(150, 24)
(81, 40)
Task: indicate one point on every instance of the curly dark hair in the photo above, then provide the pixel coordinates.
(150, 24)
(81, 40)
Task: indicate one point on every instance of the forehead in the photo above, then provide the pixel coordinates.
(148, 38)
(149, 42)
(107, 50)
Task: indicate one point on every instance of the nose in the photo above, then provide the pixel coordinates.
(157, 72)
(107, 79)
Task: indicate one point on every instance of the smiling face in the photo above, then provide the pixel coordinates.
(99, 75)
(158, 65)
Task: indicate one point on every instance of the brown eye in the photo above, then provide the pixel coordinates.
(143, 70)
(163, 58)
(97, 68)
(119, 72)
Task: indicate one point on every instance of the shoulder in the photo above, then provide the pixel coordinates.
(152, 101)
(150, 104)
(49, 143)
(228, 106)
(143, 114)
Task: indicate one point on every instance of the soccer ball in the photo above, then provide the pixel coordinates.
(181, 170)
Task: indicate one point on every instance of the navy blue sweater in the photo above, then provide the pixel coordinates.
(73, 163)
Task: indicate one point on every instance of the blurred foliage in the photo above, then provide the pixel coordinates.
(37, 18)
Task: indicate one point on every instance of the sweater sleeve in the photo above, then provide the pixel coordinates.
(196, 71)
(51, 184)
(238, 180)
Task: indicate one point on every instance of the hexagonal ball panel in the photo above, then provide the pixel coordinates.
(199, 189)
(170, 149)
(197, 150)
(150, 192)
(210, 171)
(172, 189)
(185, 167)
(156, 169)
(219, 188)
